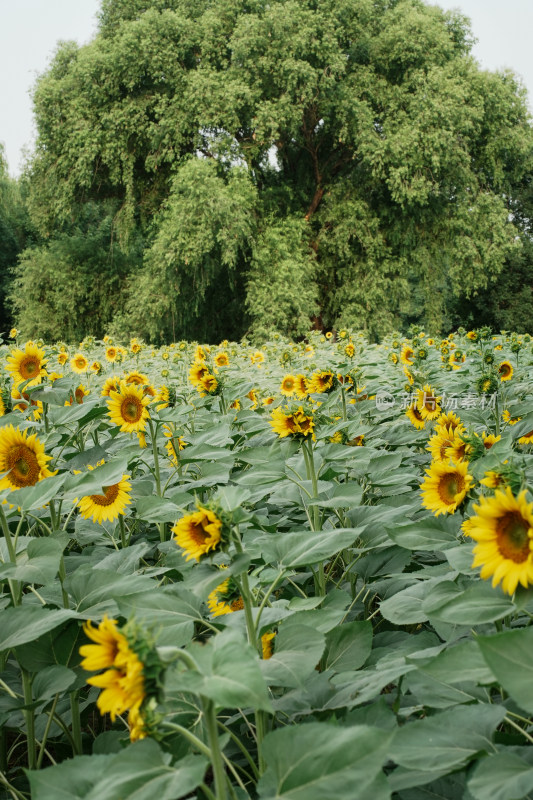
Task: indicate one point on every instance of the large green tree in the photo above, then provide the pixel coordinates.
(285, 160)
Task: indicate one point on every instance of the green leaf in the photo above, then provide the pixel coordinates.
(140, 772)
(297, 651)
(229, 673)
(426, 534)
(477, 604)
(52, 680)
(157, 509)
(508, 654)
(37, 496)
(168, 612)
(93, 481)
(43, 559)
(25, 623)
(504, 776)
(447, 740)
(304, 548)
(348, 646)
(318, 761)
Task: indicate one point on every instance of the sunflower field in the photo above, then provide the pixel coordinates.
(299, 572)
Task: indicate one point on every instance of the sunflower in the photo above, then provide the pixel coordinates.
(489, 439)
(208, 385)
(252, 395)
(135, 347)
(445, 487)
(221, 360)
(62, 359)
(448, 420)
(136, 724)
(503, 530)
(136, 378)
(459, 450)
(257, 358)
(505, 370)
(198, 533)
(224, 599)
(329, 335)
(526, 439)
(127, 407)
(493, 479)
(109, 505)
(357, 441)
(267, 645)
(22, 457)
(438, 444)
(350, 350)
(300, 386)
(407, 355)
(123, 682)
(393, 358)
(288, 385)
(79, 363)
(35, 405)
(162, 398)
(200, 354)
(416, 418)
(102, 654)
(320, 382)
(79, 393)
(409, 375)
(27, 365)
(111, 354)
(283, 424)
(506, 416)
(427, 403)
(197, 371)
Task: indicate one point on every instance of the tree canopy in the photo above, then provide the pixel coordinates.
(261, 165)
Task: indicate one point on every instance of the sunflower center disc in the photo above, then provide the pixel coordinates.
(23, 465)
(449, 487)
(109, 496)
(513, 539)
(131, 410)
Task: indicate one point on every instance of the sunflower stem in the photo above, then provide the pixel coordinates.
(497, 414)
(77, 748)
(343, 398)
(46, 732)
(307, 449)
(122, 531)
(14, 586)
(53, 516)
(62, 573)
(214, 745)
(30, 718)
(157, 474)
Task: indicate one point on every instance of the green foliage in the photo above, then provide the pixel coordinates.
(345, 160)
(15, 233)
(75, 283)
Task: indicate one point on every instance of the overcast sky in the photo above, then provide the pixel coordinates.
(30, 30)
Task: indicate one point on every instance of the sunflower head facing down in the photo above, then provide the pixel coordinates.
(127, 407)
(199, 533)
(445, 487)
(27, 365)
(503, 530)
(22, 458)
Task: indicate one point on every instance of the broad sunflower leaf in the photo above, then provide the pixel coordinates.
(427, 534)
(477, 604)
(229, 673)
(448, 740)
(297, 651)
(503, 776)
(43, 559)
(23, 624)
(508, 654)
(348, 645)
(304, 548)
(39, 495)
(317, 760)
(140, 772)
(157, 509)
